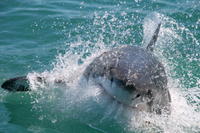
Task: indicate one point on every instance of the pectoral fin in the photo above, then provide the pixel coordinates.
(16, 84)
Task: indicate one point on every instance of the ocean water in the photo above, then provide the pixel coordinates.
(58, 38)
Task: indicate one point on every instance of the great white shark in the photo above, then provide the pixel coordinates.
(136, 77)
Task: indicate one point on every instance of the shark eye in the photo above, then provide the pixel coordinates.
(130, 88)
(149, 93)
(138, 95)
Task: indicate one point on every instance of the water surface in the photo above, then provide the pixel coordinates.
(57, 38)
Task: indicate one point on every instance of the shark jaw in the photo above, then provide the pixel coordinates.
(134, 100)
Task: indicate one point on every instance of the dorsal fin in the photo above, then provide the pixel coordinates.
(154, 38)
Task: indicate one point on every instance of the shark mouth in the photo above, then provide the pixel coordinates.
(132, 100)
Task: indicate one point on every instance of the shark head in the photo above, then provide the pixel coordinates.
(134, 77)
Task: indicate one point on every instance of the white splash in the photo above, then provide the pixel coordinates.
(78, 98)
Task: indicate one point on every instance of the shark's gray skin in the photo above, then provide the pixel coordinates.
(137, 78)
(134, 77)
(131, 75)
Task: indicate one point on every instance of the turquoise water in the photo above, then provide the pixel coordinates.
(57, 39)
